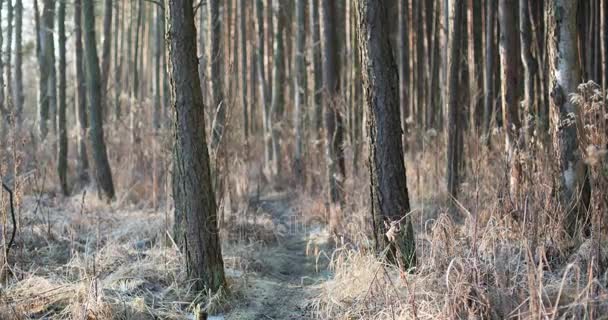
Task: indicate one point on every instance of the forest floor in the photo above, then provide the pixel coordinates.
(292, 272)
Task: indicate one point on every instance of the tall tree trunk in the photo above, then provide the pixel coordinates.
(243, 38)
(62, 155)
(4, 112)
(389, 195)
(488, 103)
(564, 77)
(604, 42)
(18, 97)
(158, 47)
(103, 173)
(44, 46)
(118, 59)
(404, 68)
(264, 94)
(9, 53)
(315, 46)
(300, 88)
(196, 228)
(133, 114)
(434, 107)
(509, 61)
(81, 111)
(105, 54)
(277, 105)
(530, 67)
(334, 129)
(215, 41)
(454, 156)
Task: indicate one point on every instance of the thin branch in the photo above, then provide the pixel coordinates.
(158, 3)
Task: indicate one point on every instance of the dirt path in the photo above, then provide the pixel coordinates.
(290, 277)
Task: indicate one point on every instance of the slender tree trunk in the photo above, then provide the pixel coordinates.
(564, 77)
(334, 129)
(62, 155)
(530, 67)
(103, 172)
(118, 59)
(454, 156)
(434, 107)
(81, 113)
(18, 97)
(9, 53)
(44, 46)
(133, 114)
(264, 94)
(277, 105)
(4, 112)
(243, 38)
(389, 195)
(315, 34)
(404, 69)
(604, 42)
(488, 108)
(300, 88)
(105, 54)
(509, 61)
(49, 19)
(215, 41)
(158, 47)
(196, 228)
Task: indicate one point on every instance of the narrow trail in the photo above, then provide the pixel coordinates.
(291, 275)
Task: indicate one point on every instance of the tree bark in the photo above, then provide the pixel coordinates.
(18, 97)
(509, 61)
(300, 88)
(277, 104)
(264, 94)
(389, 195)
(404, 68)
(454, 156)
(530, 67)
(243, 38)
(62, 155)
(7, 62)
(334, 129)
(564, 77)
(315, 48)
(105, 54)
(488, 108)
(218, 106)
(80, 96)
(196, 228)
(158, 47)
(103, 173)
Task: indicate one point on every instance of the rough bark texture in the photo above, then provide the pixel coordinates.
(103, 174)
(604, 41)
(264, 94)
(195, 227)
(564, 77)
(218, 106)
(80, 96)
(454, 151)
(300, 94)
(18, 97)
(389, 195)
(158, 47)
(509, 61)
(315, 48)
(117, 60)
(44, 48)
(8, 60)
(334, 128)
(62, 154)
(277, 104)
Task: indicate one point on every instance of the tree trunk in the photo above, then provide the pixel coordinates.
(62, 155)
(195, 208)
(118, 60)
(404, 68)
(509, 61)
(604, 42)
(264, 94)
(4, 112)
(218, 106)
(300, 87)
(454, 156)
(18, 97)
(389, 195)
(488, 108)
(103, 172)
(81, 113)
(277, 105)
(105, 54)
(243, 38)
(133, 114)
(434, 107)
(158, 47)
(317, 94)
(564, 77)
(334, 129)
(7, 63)
(530, 67)
(45, 50)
